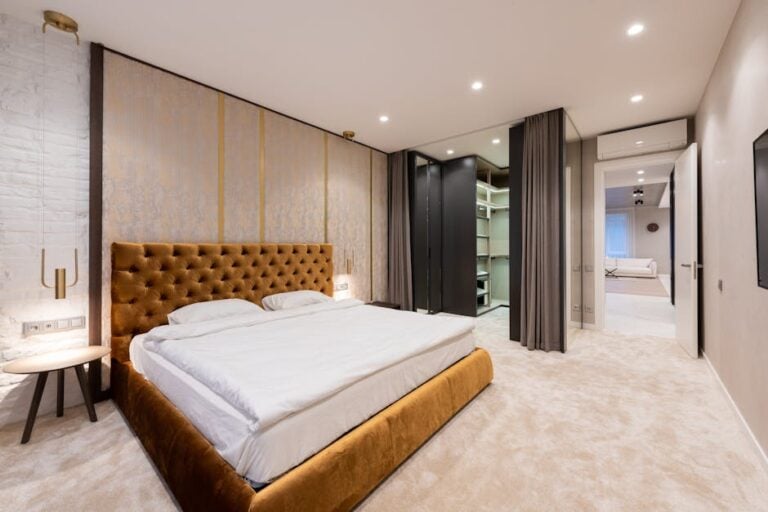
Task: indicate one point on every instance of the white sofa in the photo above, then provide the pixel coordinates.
(630, 267)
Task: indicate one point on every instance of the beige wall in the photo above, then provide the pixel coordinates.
(654, 245)
(183, 162)
(732, 114)
(573, 160)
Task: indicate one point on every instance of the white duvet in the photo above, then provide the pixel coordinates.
(271, 365)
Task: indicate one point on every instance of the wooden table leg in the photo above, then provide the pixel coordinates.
(39, 387)
(60, 394)
(86, 392)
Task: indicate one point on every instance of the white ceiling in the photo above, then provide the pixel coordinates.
(621, 197)
(627, 177)
(340, 64)
(475, 143)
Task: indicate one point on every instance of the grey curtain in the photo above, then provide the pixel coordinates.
(400, 283)
(541, 309)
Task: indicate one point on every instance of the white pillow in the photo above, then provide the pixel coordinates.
(288, 300)
(210, 310)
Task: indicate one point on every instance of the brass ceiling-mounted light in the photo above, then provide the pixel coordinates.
(348, 134)
(61, 22)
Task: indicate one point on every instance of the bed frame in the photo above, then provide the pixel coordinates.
(151, 280)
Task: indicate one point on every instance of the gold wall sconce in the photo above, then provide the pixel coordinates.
(60, 283)
(348, 134)
(61, 22)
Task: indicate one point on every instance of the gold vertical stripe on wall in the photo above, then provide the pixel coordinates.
(370, 217)
(325, 187)
(261, 175)
(221, 167)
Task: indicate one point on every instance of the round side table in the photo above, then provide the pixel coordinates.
(56, 361)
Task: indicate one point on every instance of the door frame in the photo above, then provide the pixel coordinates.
(598, 221)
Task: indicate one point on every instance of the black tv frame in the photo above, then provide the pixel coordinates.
(762, 283)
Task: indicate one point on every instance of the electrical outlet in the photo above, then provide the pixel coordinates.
(49, 326)
(588, 309)
(576, 308)
(340, 287)
(589, 268)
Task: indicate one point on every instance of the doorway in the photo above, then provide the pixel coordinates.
(638, 229)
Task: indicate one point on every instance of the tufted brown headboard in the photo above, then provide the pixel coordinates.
(151, 280)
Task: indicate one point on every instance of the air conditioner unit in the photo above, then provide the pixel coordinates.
(649, 139)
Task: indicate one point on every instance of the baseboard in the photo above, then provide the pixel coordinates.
(762, 455)
(590, 327)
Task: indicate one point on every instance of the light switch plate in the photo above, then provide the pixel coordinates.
(340, 287)
(49, 326)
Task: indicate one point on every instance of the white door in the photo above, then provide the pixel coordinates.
(686, 251)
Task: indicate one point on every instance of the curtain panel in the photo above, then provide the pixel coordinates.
(542, 280)
(400, 285)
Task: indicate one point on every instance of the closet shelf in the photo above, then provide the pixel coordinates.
(481, 292)
(499, 256)
(483, 274)
(491, 188)
(483, 236)
(482, 217)
(483, 255)
(492, 206)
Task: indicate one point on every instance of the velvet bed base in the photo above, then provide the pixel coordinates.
(335, 479)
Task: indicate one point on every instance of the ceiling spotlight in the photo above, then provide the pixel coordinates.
(635, 29)
(641, 171)
(477, 85)
(383, 119)
(639, 143)
(640, 180)
(450, 151)
(637, 98)
(496, 141)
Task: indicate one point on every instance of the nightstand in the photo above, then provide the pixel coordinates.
(388, 305)
(56, 361)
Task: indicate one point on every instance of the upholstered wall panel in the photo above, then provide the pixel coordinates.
(160, 160)
(294, 180)
(241, 171)
(349, 182)
(186, 163)
(379, 224)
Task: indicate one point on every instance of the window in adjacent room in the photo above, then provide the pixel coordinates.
(618, 234)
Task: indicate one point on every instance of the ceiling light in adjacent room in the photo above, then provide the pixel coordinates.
(496, 141)
(641, 171)
(477, 85)
(637, 98)
(640, 180)
(383, 119)
(638, 143)
(450, 151)
(635, 29)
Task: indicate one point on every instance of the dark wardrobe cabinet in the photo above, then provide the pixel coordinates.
(426, 199)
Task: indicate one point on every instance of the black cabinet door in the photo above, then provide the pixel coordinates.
(460, 236)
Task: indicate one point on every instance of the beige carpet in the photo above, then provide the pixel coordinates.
(617, 424)
(635, 286)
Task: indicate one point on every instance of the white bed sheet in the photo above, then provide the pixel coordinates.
(264, 455)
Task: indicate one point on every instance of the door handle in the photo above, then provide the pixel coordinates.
(686, 265)
(695, 267)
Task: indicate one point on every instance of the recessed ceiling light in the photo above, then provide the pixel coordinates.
(383, 119)
(637, 98)
(638, 143)
(496, 141)
(641, 171)
(635, 29)
(640, 180)
(450, 151)
(477, 85)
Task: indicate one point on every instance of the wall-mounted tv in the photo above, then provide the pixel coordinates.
(761, 207)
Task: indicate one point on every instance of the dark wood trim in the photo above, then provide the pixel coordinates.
(516, 138)
(136, 59)
(96, 133)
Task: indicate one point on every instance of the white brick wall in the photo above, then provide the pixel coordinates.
(44, 84)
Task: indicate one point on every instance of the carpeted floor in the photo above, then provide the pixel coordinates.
(635, 286)
(618, 423)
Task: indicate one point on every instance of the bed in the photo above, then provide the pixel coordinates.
(215, 453)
